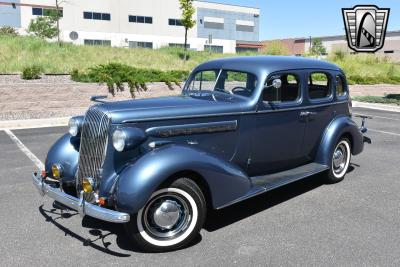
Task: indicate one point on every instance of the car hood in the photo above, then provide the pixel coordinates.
(180, 106)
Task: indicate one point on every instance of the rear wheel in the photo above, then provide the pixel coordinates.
(171, 218)
(340, 161)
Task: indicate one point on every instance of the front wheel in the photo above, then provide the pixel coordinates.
(171, 218)
(340, 161)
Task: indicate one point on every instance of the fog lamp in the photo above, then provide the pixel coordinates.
(56, 170)
(88, 184)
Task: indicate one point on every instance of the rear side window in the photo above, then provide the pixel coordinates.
(318, 85)
(340, 86)
(289, 91)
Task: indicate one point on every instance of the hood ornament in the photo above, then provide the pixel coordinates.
(98, 98)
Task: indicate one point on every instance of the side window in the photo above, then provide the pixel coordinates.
(340, 86)
(289, 91)
(318, 85)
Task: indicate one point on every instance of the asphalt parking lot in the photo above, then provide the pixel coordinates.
(355, 222)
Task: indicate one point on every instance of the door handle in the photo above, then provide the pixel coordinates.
(307, 113)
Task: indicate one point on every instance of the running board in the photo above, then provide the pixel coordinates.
(264, 183)
(278, 179)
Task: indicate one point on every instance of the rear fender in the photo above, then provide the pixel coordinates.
(136, 183)
(340, 126)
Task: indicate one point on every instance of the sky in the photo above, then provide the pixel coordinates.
(302, 18)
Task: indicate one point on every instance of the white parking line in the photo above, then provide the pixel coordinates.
(24, 149)
(379, 131)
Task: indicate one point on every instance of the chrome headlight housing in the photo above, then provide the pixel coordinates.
(75, 125)
(126, 138)
(119, 139)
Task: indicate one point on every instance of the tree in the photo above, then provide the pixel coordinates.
(186, 20)
(317, 48)
(58, 16)
(44, 27)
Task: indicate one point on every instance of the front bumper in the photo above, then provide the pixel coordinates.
(79, 204)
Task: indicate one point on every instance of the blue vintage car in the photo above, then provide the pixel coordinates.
(241, 127)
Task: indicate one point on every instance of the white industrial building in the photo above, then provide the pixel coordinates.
(151, 23)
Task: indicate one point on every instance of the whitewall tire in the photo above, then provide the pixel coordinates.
(340, 160)
(171, 218)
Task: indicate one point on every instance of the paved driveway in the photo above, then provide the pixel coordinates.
(355, 222)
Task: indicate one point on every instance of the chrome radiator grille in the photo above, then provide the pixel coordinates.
(93, 145)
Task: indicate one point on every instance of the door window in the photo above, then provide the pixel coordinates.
(318, 85)
(289, 91)
(340, 86)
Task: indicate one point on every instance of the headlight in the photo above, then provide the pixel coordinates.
(74, 125)
(126, 138)
(119, 138)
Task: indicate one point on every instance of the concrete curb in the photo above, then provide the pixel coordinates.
(33, 123)
(376, 106)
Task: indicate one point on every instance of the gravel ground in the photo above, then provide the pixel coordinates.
(58, 96)
(55, 96)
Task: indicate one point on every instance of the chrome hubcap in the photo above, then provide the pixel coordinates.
(167, 216)
(339, 158)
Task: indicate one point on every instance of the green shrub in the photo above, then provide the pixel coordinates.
(275, 48)
(7, 30)
(378, 99)
(31, 72)
(115, 75)
(338, 55)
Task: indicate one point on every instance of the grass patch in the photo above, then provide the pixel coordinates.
(17, 52)
(387, 99)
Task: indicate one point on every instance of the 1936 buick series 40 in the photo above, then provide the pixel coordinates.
(242, 126)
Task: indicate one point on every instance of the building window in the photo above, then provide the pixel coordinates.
(140, 19)
(244, 28)
(214, 48)
(38, 11)
(97, 42)
(174, 22)
(135, 44)
(388, 52)
(214, 23)
(246, 49)
(178, 45)
(96, 15)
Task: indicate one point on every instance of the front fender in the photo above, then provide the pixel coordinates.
(138, 181)
(338, 127)
(65, 151)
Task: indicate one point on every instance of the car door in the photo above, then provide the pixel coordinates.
(279, 127)
(320, 107)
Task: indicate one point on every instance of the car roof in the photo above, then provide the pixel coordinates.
(257, 64)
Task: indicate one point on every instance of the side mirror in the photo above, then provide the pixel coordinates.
(277, 83)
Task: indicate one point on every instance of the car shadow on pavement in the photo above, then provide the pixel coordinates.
(102, 232)
(217, 219)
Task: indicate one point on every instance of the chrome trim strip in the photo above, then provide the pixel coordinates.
(234, 113)
(187, 129)
(79, 204)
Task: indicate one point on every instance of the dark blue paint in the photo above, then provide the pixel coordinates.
(66, 152)
(268, 137)
(136, 183)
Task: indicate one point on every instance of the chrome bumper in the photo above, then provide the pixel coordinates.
(83, 207)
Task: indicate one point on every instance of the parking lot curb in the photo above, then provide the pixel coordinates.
(33, 123)
(376, 106)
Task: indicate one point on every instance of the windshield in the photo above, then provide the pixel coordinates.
(226, 81)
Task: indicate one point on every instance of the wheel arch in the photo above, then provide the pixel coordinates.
(338, 128)
(161, 166)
